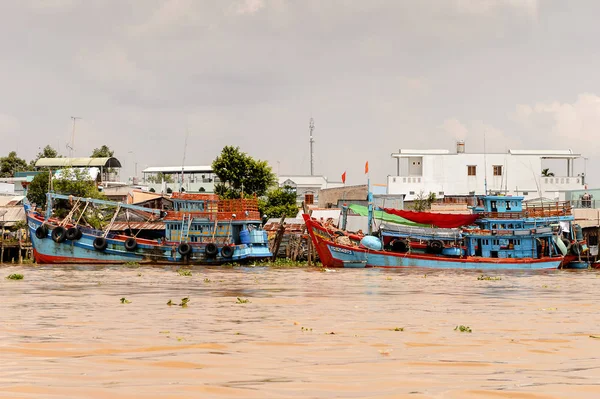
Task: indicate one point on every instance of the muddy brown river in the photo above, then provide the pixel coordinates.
(250, 332)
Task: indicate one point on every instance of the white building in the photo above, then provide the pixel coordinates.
(307, 187)
(195, 178)
(516, 172)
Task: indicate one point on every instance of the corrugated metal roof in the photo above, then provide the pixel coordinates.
(10, 200)
(9, 215)
(122, 226)
(311, 181)
(177, 169)
(79, 162)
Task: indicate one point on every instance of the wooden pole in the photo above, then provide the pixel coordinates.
(278, 237)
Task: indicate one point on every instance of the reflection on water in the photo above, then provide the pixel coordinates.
(304, 333)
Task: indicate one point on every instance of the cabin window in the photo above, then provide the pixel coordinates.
(471, 170)
(592, 240)
(508, 205)
(497, 170)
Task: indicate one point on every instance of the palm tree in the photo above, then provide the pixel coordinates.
(546, 173)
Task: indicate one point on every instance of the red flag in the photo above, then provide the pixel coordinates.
(344, 177)
(367, 167)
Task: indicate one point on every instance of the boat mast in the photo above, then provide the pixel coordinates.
(484, 166)
(311, 128)
(187, 133)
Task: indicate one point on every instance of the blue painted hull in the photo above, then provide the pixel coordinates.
(337, 255)
(82, 251)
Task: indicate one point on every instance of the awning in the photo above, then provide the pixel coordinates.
(444, 220)
(380, 215)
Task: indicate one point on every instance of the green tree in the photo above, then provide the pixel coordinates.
(423, 202)
(278, 202)
(37, 189)
(11, 164)
(159, 177)
(102, 152)
(546, 173)
(72, 181)
(47, 152)
(238, 172)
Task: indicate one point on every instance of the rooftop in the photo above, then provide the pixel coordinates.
(78, 162)
(178, 169)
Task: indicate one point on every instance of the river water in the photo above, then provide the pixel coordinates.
(65, 332)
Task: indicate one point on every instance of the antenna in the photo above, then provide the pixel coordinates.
(72, 146)
(187, 133)
(311, 128)
(485, 166)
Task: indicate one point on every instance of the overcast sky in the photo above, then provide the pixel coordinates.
(375, 75)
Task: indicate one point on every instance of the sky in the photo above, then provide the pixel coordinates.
(376, 76)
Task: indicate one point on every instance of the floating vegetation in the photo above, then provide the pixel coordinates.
(489, 278)
(305, 329)
(207, 280)
(549, 309)
(595, 336)
(184, 272)
(462, 328)
(385, 352)
(125, 300)
(164, 332)
(14, 276)
(184, 302)
(388, 278)
(240, 300)
(139, 274)
(425, 276)
(398, 329)
(170, 303)
(132, 263)
(544, 286)
(330, 333)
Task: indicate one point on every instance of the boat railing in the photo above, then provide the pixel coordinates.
(559, 208)
(214, 216)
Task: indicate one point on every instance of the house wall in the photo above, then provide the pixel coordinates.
(446, 174)
(331, 196)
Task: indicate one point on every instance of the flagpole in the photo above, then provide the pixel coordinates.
(369, 200)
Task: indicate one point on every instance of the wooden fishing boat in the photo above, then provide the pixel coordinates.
(500, 234)
(201, 229)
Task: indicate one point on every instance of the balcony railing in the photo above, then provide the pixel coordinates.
(591, 204)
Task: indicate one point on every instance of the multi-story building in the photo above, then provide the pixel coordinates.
(307, 187)
(461, 174)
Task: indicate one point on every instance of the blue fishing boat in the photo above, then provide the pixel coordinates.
(200, 229)
(501, 233)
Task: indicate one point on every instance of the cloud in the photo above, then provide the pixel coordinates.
(576, 124)
(8, 125)
(480, 136)
(250, 6)
(529, 8)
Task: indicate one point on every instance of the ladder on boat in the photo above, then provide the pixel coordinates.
(186, 222)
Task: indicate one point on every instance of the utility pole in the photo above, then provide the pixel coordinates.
(311, 128)
(72, 147)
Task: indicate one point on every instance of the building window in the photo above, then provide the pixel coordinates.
(497, 170)
(309, 199)
(411, 192)
(441, 193)
(525, 192)
(471, 170)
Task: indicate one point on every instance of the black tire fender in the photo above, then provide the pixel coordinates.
(211, 250)
(72, 233)
(184, 249)
(130, 244)
(227, 251)
(59, 234)
(100, 243)
(41, 232)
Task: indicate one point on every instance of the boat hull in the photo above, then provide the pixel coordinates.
(82, 251)
(333, 254)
